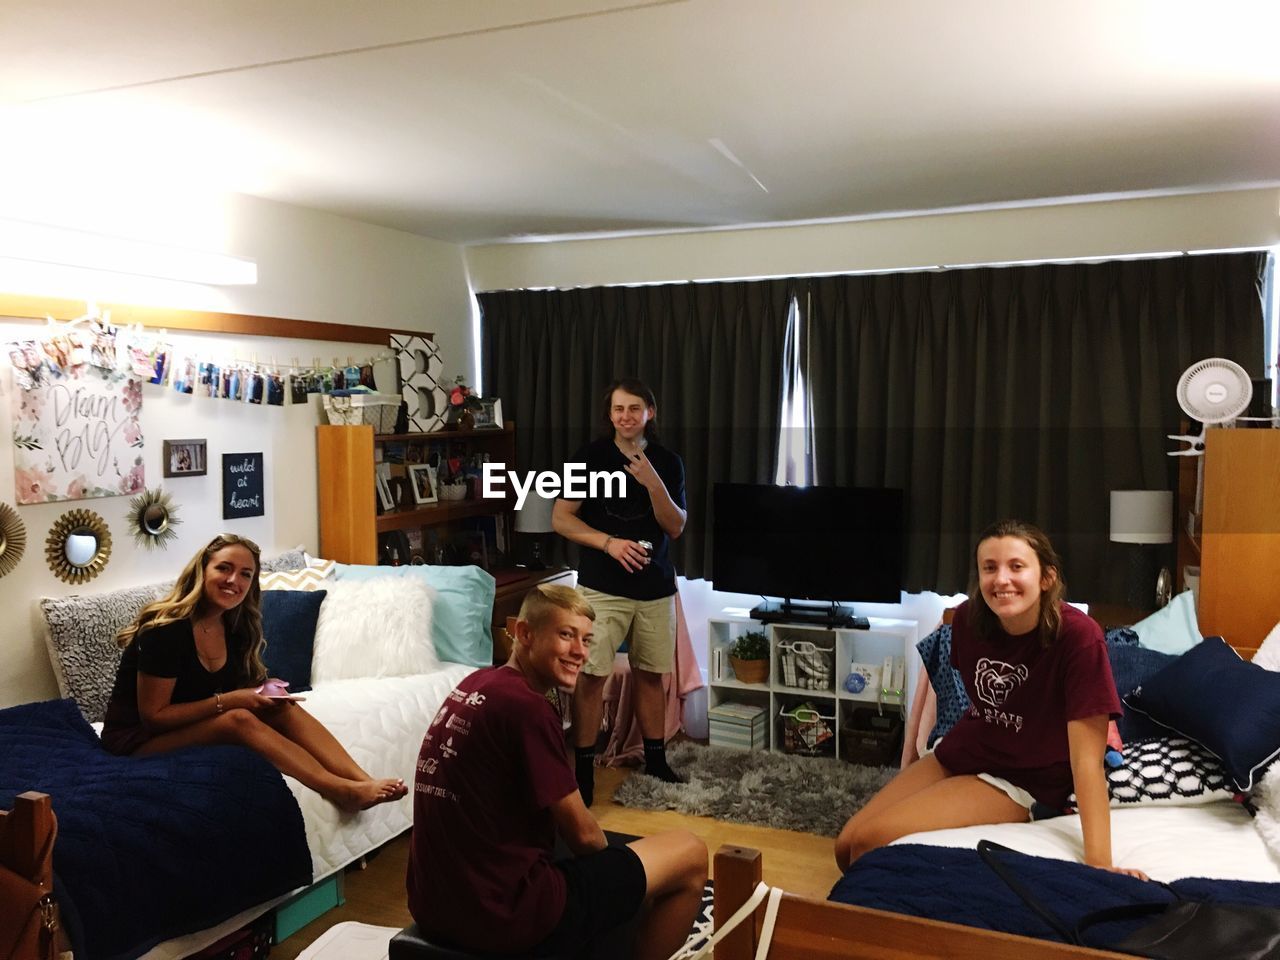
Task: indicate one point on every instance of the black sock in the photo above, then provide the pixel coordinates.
(585, 770)
(655, 762)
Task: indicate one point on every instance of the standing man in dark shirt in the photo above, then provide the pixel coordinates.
(493, 788)
(631, 586)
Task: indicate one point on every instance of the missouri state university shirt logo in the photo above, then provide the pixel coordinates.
(994, 681)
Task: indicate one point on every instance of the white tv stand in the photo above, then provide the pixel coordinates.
(884, 638)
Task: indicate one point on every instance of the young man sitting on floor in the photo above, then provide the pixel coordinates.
(493, 787)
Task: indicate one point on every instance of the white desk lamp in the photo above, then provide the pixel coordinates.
(1143, 517)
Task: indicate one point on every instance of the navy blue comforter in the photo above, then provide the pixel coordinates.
(954, 885)
(151, 848)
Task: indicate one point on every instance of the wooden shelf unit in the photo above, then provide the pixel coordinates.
(349, 518)
(1240, 546)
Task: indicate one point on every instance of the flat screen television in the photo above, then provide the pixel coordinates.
(807, 543)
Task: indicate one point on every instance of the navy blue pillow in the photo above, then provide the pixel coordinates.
(1131, 666)
(1223, 703)
(289, 625)
(1121, 637)
(953, 701)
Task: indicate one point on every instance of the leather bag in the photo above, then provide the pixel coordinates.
(28, 917)
(1180, 929)
(1186, 929)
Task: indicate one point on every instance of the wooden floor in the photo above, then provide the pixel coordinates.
(799, 862)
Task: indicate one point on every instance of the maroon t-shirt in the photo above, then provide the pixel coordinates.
(1022, 697)
(492, 763)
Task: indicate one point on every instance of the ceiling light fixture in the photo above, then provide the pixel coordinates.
(63, 246)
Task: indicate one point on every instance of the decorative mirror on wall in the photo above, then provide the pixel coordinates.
(13, 538)
(152, 517)
(78, 546)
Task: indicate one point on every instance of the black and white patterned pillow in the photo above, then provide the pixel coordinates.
(82, 641)
(1172, 771)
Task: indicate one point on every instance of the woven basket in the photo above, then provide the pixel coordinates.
(750, 671)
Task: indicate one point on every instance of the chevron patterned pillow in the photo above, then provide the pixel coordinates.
(315, 577)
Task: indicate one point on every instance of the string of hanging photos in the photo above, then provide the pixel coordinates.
(60, 349)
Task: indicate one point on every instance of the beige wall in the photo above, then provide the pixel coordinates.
(312, 266)
(1245, 218)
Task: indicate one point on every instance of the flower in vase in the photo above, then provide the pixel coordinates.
(461, 398)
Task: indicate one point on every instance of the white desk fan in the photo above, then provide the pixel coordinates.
(1215, 390)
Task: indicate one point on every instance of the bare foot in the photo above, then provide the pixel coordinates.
(363, 794)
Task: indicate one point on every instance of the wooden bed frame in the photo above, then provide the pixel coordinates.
(24, 831)
(820, 930)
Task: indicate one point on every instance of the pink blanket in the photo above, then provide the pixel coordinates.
(625, 746)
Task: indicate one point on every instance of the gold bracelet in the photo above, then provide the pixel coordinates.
(607, 541)
(217, 701)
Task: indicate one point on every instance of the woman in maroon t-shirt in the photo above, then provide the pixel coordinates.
(1042, 694)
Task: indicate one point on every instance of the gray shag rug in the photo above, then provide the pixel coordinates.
(808, 794)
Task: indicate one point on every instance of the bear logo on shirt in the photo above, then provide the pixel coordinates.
(995, 680)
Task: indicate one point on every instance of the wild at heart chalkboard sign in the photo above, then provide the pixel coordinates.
(242, 486)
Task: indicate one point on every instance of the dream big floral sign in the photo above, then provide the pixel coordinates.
(77, 436)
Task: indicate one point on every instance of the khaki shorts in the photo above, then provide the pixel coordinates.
(649, 625)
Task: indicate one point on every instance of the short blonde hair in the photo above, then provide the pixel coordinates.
(546, 597)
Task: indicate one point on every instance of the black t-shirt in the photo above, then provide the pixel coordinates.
(167, 651)
(631, 518)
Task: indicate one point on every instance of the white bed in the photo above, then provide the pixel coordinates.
(381, 722)
(1214, 840)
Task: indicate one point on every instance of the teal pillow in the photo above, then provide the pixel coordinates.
(462, 613)
(1173, 629)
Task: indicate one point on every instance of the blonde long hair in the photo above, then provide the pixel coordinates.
(983, 619)
(243, 624)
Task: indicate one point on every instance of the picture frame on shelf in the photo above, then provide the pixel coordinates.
(489, 416)
(384, 494)
(185, 458)
(422, 480)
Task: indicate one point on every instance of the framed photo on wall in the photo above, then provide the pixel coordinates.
(422, 480)
(489, 416)
(185, 458)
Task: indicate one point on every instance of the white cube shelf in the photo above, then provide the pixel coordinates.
(786, 687)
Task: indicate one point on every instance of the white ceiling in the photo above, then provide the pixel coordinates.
(477, 120)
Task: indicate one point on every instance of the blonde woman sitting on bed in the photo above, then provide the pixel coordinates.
(192, 673)
(1040, 686)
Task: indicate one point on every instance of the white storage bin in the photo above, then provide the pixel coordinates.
(378, 410)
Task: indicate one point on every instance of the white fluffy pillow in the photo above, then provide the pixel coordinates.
(1268, 655)
(374, 628)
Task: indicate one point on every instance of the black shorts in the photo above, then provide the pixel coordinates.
(603, 892)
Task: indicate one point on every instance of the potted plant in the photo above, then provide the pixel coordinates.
(749, 656)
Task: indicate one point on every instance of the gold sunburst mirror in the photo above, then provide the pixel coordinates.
(13, 538)
(78, 546)
(152, 517)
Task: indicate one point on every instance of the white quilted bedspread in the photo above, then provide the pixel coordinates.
(1214, 840)
(381, 722)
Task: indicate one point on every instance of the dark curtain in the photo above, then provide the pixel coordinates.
(1027, 392)
(711, 352)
